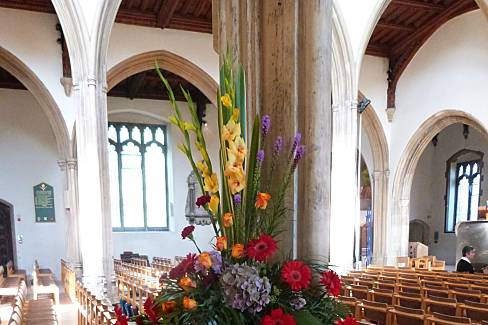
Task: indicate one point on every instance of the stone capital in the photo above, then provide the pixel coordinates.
(62, 164)
(72, 164)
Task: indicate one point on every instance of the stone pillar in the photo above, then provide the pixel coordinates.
(285, 46)
(380, 207)
(344, 188)
(315, 122)
(93, 182)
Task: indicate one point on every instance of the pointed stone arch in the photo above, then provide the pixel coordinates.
(167, 61)
(28, 78)
(398, 223)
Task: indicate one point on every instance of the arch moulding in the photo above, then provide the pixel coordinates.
(27, 77)
(398, 223)
(167, 61)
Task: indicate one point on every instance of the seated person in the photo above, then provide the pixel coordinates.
(464, 264)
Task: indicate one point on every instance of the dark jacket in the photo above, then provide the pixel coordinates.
(463, 266)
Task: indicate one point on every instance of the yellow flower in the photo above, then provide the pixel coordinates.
(211, 183)
(203, 168)
(231, 130)
(237, 183)
(188, 126)
(174, 120)
(221, 243)
(186, 283)
(262, 200)
(233, 165)
(235, 114)
(214, 204)
(228, 220)
(226, 100)
(238, 148)
(189, 304)
(237, 251)
(205, 260)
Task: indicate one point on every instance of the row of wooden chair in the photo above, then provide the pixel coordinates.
(140, 275)
(133, 293)
(32, 312)
(384, 314)
(91, 311)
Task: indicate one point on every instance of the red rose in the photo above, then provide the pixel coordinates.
(348, 321)
(278, 317)
(296, 274)
(202, 200)
(187, 232)
(330, 280)
(148, 309)
(121, 318)
(262, 248)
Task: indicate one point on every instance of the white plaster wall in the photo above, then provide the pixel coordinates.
(127, 41)
(449, 72)
(373, 85)
(32, 37)
(366, 151)
(28, 156)
(165, 243)
(429, 186)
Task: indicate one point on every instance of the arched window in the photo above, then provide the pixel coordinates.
(138, 176)
(464, 177)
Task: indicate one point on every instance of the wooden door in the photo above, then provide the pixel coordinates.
(6, 249)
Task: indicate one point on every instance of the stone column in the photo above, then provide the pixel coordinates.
(315, 122)
(344, 188)
(285, 46)
(380, 206)
(93, 183)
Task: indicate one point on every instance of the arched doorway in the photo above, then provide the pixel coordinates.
(7, 233)
(397, 234)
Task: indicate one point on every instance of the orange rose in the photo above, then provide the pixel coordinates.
(228, 220)
(238, 251)
(205, 260)
(189, 304)
(169, 307)
(186, 283)
(262, 200)
(221, 243)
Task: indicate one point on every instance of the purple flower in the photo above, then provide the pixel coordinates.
(216, 263)
(237, 198)
(278, 145)
(300, 152)
(260, 155)
(297, 139)
(265, 124)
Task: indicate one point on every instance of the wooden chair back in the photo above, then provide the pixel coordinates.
(359, 292)
(408, 300)
(374, 312)
(440, 319)
(474, 310)
(382, 295)
(406, 316)
(446, 306)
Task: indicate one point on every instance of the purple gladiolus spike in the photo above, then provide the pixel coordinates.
(265, 124)
(278, 145)
(237, 198)
(260, 155)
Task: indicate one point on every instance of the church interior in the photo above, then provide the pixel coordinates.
(386, 97)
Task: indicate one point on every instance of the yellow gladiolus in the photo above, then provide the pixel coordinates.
(226, 100)
(203, 168)
(213, 205)
(211, 183)
(174, 120)
(228, 220)
(233, 165)
(231, 130)
(188, 126)
(235, 114)
(237, 183)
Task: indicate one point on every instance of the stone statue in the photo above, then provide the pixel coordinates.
(194, 214)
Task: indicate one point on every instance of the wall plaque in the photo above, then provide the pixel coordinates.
(44, 203)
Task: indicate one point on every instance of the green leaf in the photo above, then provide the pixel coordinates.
(304, 317)
(241, 99)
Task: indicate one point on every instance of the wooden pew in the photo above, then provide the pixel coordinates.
(11, 272)
(68, 279)
(44, 285)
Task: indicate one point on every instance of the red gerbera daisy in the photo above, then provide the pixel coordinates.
(278, 317)
(185, 266)
(296, 274)
(148, 309)
(262, 248)
(348, 321)
(121, 318)
(330, 280)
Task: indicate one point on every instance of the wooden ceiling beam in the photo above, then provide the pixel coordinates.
(166, 12)
(393, 26)
(377, 50)
(419, 4)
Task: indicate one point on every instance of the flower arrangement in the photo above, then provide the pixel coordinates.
(240, 281)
